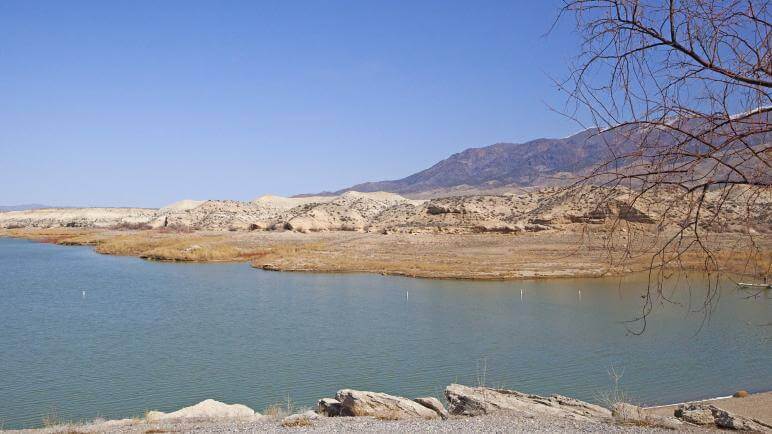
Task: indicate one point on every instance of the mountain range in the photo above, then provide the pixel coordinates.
(538, 162)
(546, 162)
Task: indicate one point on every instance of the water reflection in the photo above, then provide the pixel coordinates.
(151, 335)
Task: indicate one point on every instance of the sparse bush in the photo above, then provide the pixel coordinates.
(615, 395)
(482, 371)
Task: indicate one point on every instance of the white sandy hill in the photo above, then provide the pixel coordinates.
(182, 205)
(77, 217)
(222, 215)
(352, 211)
(532, 210)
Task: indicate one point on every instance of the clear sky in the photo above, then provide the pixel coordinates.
(142, 103)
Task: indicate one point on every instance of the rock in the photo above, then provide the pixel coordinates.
(381, 405)
(628, 413)
(153, 416)
(329, 407)
(435, 209)
(475, 401)
(280, 226)
(501, 228)
(741, 394)
(434, 404)
(695, 414)
(534, 227)
(159, 222)
(299, 419)
(632, 414)
(118, 422)
(668, 422)
(205, 410)
(706, 414)
(725, 419)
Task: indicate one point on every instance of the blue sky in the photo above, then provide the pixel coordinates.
(133, 103)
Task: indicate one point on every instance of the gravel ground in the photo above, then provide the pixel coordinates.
(501, 422)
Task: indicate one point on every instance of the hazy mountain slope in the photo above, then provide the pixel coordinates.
(538, 162)
(545, 162)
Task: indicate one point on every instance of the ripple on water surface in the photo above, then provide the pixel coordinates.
(148, 335)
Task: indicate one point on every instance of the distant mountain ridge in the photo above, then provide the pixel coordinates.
(22, 207)
(537, 162)
(540, 162)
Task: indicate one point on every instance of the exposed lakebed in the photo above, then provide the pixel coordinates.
(86, 335)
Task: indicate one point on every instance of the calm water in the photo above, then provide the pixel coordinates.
(160, 336)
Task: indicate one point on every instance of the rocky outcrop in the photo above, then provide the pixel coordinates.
(381, 405)
(710, 415)
(207, 409)
(330, 407)
(475, 401)
(437, 209)
(696, 415)
(433, 404)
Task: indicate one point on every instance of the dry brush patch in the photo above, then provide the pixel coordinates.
(575, 252)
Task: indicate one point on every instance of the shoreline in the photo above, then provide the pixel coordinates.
(273, 424)
(478, 257)
(754, 407)
(675, 404)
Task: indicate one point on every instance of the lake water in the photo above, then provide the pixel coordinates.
(149, 335)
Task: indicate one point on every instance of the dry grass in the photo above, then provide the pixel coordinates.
(52, 418)
(297, 422)
(615, 395)
(281, 409)
(476, 256)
